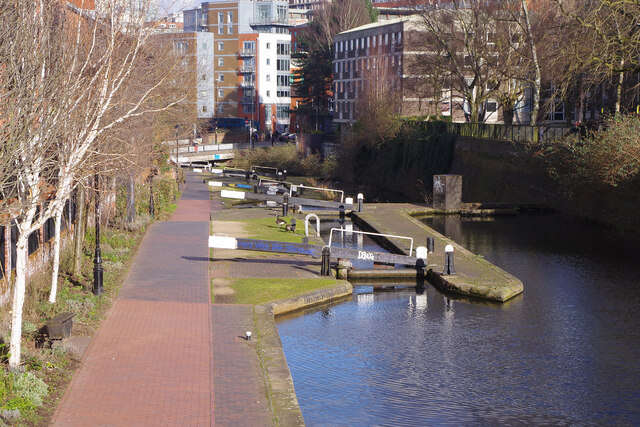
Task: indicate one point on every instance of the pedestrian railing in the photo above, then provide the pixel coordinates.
(520, 133)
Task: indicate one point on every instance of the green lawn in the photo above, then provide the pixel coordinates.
(267, 229)
(260, 291)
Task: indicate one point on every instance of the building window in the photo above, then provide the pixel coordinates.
(230, 17)
(220, 45)
(249, 46)
(268, 61)
(220, 77)
(220, 108)
(220, 93)
(282, 111)
(268, 77)
(283, 48)
(268, 45)
(220, 18)
(204, 108)
(220, 62)
(220, 29)
(283, 65)
(283, 80)
(491, 107)
(268, 93)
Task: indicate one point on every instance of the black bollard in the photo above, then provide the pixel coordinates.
(325, 269)
(247, 176)
(420, 267)
(430, 244)
(255, 188)
(360, 201)
(342, 213)
(285, 209)
(284, 174)
(448, 261)
(280, 177)
(292, 224)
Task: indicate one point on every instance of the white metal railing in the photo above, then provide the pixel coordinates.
(267, 181)
(373, 234)
(306, 224)
(256, 169)
(295, 188)
(203, 148)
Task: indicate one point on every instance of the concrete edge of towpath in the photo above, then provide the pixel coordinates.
(274, 363)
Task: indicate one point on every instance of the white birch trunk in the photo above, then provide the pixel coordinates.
(18, 300)
(56, 259)
(537, 75)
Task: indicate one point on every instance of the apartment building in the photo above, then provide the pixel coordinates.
(252, 60)
(196, 52)
(381, 56)
(362, 55)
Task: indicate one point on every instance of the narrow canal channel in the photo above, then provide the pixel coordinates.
(565, 352)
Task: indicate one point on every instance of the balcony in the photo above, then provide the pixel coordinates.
(268, 21)
(246, 69)
(247, 53)
(247, 85)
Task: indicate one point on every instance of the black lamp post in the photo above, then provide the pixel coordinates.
(176, 127)
(152, 206)
(97, 260)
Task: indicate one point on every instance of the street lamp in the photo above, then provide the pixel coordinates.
(176, 127)
(97, 260)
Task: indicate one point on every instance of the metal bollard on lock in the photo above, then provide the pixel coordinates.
(448, 261)
(430, 244)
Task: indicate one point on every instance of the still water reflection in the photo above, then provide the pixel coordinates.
(565, 352)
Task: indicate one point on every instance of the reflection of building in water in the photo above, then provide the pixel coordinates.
(449, 226)
(365, 300)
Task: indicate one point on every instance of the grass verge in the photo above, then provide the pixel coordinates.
(267, 229)
(259, 291)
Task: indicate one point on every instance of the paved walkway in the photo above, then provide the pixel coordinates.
(164, 356)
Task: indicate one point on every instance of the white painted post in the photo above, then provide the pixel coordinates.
(421, 252)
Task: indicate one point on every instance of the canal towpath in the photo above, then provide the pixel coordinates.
(164, 355)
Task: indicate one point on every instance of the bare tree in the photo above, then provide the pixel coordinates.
(68, 79)
(462, 34)
(379, 99)
(604, 43)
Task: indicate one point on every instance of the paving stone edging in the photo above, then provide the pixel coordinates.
(283, 395)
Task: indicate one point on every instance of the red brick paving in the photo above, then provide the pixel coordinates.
(238, 401)
(151, 363)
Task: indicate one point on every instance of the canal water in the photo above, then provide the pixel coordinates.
(565, 352)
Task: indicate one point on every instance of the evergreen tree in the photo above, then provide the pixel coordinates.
(314, 78)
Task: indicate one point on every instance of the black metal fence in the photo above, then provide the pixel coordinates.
(523, 133)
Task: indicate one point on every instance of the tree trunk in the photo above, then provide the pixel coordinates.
(56, 259)
(537, 77)
(18, 300)
(131, 199)
(619, 88)
(79, 232)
